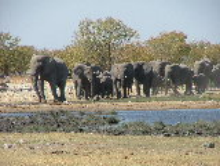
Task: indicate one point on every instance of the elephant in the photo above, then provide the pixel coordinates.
(159, 73)
(50, 69)
(203, 66)
(176, 75)
(81, 82)
(122, 77)
(143, 74)
(86, 81)
(215, 75)
(201, 82)
(159, 67)
(92, 72)
(106, 84)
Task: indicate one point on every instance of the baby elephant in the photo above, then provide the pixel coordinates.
(54, 71)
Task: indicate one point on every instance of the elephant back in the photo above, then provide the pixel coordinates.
(178, 74)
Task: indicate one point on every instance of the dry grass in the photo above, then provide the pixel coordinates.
(91, 149)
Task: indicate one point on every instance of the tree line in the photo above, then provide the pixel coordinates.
(105, 42)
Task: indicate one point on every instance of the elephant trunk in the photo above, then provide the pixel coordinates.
(35, 82)
(34, 79)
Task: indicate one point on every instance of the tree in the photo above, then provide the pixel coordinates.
(21, 58)
(133, 52)
(201, 49)
(71, 55)
(213, 53)
(169, 46)
(13, 58)
(7, 45)
(100, 38)
(197, 51)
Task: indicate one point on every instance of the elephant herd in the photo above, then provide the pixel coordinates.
(92, 82)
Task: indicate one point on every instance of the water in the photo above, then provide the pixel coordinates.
(170, 116)
(166, 116)
(16, 114)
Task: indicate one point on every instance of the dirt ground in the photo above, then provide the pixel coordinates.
(20, 97)
(36, 149)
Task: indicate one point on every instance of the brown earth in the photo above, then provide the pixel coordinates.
(20, 97)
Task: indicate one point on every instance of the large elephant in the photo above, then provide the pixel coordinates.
(143, 74)
(86, 80)
(53, 70)
(122, 77)
(159, 73)
(203, 66)
(176, 75)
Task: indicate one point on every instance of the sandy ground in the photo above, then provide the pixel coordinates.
(20, 97)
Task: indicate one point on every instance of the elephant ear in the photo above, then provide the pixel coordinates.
(79, 70)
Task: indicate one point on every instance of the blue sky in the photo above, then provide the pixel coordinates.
(51, 23)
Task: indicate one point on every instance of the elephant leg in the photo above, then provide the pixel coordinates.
(176, 92)
(53, 90)
(138, 89)
(87, 91)
(114, 88)
(124, 91)
(37, 87)
(189, 89)
(40, 84)
(92, 90)
(146, 90)
(62, 92)
(117, 89)
(169, 85)
(166, 89)
(78, 89)
(104, 91)
(75, 87)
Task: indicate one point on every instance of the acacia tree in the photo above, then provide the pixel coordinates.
(100, 38)
(169, 46)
